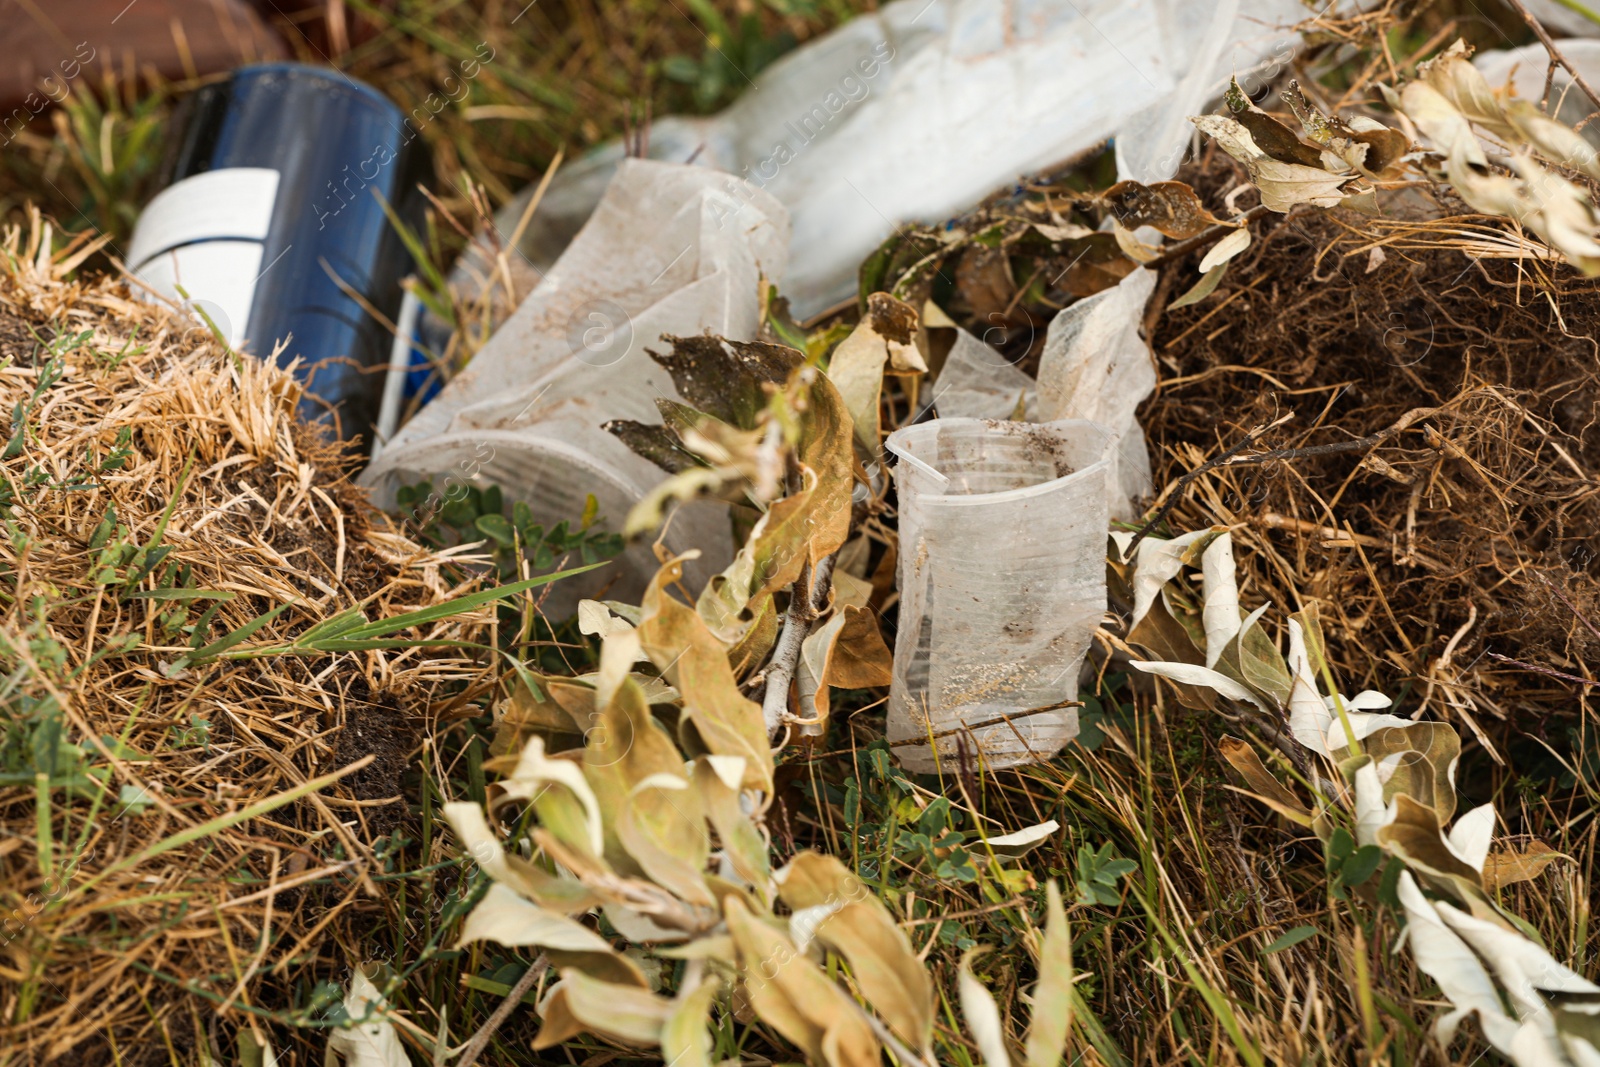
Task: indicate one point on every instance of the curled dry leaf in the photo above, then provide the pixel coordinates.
(981, 1013)
(1267, 132)
(373, 1042)
(1510, 866)
(1242, 757)
(562, 796)
(1452, 96)
(623, 1012)
(718, 779)
(685, 1040)
(1022, 841)
(1313, 722)
(1428, 775)
(1461, 976)
(1413, 834)
(1157, 561)
(1172, 208)
(806, 526)
(506, 917)
(854, 923)
(792, 994)
(1052, 996)
(1282, 185)
(884, 338)
(1221, 609)
(1225, 249)
(696, 663)
(565, 895)
(847, 652)
(1197, 675)
(661, 824)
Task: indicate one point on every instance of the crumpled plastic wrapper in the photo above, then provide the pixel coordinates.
(670, 250)
(918, 111)
(1095, 366)
(1002, 583)
(1523, 70)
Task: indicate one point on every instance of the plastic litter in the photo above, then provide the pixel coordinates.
(1095, 366)
(1002, 583)
(670, 250)
(269, 223)
(1523, 70)
(918, 111)
(978, 382)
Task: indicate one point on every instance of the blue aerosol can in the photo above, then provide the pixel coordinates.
(275, 220)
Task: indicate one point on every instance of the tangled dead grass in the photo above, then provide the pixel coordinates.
(1434, 492)
(1434, 496)
(172, 862)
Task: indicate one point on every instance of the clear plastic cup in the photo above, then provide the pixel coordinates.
(1002, 584)
(671, 250)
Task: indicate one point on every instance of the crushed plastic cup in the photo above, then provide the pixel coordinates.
(671, 250)
(1002, 584)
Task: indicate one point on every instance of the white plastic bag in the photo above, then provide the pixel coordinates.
(918, 111)
(1002, 583)
(1523, 70)
(670, 250)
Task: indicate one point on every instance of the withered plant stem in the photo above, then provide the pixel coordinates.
(1232, 458)
(486, 1032)
(806, 602)
(1555, 54)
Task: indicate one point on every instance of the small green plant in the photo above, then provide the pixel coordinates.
(197, 734)
(475, 514)
(1099, 870)
(107, 140)
(1349, 866)
(733, 52)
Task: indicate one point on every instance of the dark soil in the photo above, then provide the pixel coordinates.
(1484, 511)
(376, 724)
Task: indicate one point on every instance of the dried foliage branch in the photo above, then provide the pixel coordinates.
(1382, 789)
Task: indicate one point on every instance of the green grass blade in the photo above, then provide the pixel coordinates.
(222, 822)
(423, 616)
(227, 641)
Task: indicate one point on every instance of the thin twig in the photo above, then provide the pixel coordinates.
(1549, 672)
(1555, 53)
(1570, 605)
(1209, 465)
(1232, 458)
(480, 1040)
(806, 602)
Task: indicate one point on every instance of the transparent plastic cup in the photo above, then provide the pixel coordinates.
(671, 250)
(1002, 584)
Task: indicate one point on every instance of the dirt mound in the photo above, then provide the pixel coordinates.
(1434, 488)
(165, 522)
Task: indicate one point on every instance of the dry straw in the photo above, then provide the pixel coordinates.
(184, 828)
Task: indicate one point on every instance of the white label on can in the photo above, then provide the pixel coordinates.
(219, 278)
(205, 234)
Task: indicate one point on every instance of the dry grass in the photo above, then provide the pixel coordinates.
(1474, 531)
(161, 847)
